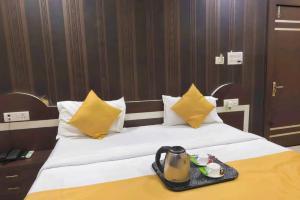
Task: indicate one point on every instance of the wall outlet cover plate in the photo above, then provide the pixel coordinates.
(234, 58)
(16, 116)
(230, 102)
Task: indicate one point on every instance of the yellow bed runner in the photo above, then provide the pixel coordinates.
(272, 177)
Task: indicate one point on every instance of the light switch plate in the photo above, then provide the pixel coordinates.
(229, 103)
(219, 60)
(16, 116)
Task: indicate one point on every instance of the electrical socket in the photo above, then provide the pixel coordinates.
(235, 58)
(229, 103)
(16, 116)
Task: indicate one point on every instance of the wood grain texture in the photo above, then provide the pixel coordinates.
(172, 47)
(17, 43)
(76, 47)
(282, 108)
(25, 172)
(48, 49)
(139, 49)
(36, 138)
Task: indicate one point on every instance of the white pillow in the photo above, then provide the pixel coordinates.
(67, 109)
(171, 118)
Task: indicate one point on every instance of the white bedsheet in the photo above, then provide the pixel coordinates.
(78, 162)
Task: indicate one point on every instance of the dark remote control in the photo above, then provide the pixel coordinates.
(23, 154)
(13, 155)
(3, 156)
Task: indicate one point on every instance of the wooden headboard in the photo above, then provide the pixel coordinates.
(42, 127)
(140, 113)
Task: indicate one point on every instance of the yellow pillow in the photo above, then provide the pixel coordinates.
(95, 117)
(193, 107)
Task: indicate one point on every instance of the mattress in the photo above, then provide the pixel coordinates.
(82, 162)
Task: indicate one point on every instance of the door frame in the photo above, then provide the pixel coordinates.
(272, 11)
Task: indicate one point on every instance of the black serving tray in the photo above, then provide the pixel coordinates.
(197, 179)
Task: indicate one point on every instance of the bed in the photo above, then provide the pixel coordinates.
(119, 157)
(106, 170)
(119, 167)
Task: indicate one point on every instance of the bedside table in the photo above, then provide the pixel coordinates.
(16, 177)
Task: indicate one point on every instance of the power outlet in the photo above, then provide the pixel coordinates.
(229, 103)
(16, 116)
(235, 58)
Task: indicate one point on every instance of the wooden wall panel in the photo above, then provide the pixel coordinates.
(5, 84)
(172, 46)
(34, 29)
(155, 47)
(76, 47)
(17, 42)
(96, 46)
(127, 47)
(48, 50)
(62, 76)
(139, 49)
